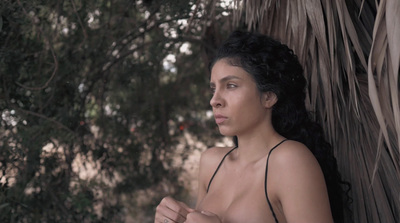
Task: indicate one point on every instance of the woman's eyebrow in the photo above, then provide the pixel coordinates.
(225, 79)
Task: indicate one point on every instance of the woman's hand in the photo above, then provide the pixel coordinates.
(202, 217)
(171, 211)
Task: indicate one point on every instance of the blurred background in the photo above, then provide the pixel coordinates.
(104, 106)
(105, 103)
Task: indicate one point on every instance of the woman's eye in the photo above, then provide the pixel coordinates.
(231, 85)
(212, 90)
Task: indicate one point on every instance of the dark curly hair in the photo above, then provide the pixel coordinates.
(275, 68)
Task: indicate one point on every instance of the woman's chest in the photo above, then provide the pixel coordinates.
(238, 198)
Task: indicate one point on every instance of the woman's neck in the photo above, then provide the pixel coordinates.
(252, 147)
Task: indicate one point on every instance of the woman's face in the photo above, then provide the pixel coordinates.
(237, 104)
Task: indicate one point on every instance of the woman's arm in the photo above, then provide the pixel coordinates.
(209, 161)
(299, 184)
(202, 177)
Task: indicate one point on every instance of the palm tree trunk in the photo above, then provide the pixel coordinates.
(350, 51)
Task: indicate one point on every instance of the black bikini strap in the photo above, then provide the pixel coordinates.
(219, 167)
(265, 181)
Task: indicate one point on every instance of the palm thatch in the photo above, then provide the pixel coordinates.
(350, 51)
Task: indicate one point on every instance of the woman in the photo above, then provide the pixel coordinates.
(281, 169)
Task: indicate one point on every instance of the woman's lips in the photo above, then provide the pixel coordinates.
(220, 119)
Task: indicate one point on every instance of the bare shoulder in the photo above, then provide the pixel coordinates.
(209, 162)
(211, 157)
(215, 152)
(292, 153)
(298, 184)
(292, 163)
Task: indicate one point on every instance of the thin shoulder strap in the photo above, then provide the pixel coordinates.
(219, 167)
(265, 181)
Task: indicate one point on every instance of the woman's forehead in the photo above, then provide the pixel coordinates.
(223, 70)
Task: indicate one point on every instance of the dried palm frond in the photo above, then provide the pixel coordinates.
(350, 51)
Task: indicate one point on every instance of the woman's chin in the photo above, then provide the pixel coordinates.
(225, 132)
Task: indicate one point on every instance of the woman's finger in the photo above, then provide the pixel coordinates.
(170, 210)
(163, 219)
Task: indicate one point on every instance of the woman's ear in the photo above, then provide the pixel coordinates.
(269, 99)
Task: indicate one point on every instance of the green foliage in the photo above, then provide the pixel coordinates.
(91, 110)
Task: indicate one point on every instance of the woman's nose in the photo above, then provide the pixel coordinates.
(216, 100)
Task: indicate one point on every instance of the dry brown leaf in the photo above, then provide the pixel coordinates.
(358, 99)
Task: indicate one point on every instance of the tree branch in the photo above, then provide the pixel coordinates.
(59, 124)
(80, 21)
(52, 52)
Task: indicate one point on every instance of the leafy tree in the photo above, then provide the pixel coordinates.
(95, 98)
